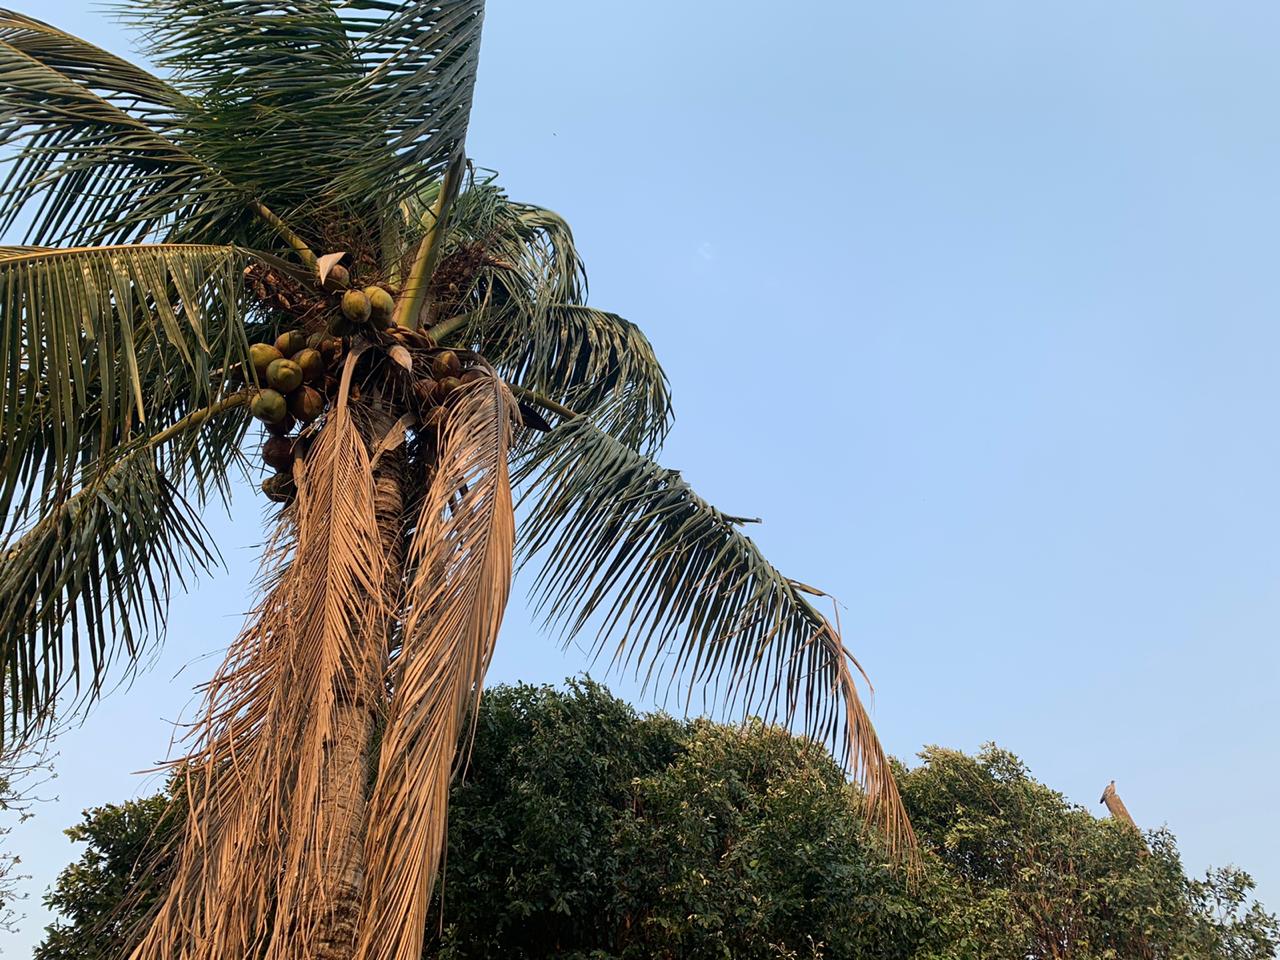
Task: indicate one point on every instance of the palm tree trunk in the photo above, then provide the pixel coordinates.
(350, 759)
(343, 795)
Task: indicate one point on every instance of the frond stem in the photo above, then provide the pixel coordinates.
(304, 252)
(546, 403)
(197, 417)
(446, 327)
(414, 294)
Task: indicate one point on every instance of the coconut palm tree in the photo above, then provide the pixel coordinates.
(286, 227)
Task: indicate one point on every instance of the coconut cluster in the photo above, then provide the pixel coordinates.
(447, 376)
(293, 374)
(297, 375)
(370, 307)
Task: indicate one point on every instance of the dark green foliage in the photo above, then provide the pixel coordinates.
(534, 862)
(1037, 877)
(105, 894)
(585, 832)
(750, 845)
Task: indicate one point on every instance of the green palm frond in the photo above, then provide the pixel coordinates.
(524, 299)
(680, 591)
(101, 346)
(116, 80)
(90, 579)
(88, 141)
(597, 363)
(260, 81)
(534, 245)
(317, 108)
(273, 51)
(419, 60)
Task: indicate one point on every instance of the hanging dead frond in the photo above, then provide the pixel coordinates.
(271, 850)
(462, 562)
(338, 610)
(233, 793)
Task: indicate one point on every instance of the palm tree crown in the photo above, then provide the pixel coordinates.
(300, 162)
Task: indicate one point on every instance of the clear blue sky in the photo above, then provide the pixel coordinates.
(976, 305)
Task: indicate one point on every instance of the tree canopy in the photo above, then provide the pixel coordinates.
(588, 832)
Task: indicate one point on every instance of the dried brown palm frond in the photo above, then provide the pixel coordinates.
(462, 562)
(864, 756)
(225, 780)
(338, 610)
(268, 854)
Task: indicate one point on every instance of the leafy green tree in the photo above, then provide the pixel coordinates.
(1043, 879)
(289, 212)
(585, 832)
(533, 856)
(106, 895)
(750, 844)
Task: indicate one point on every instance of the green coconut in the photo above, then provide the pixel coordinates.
(315, 340)
(279, 487)
(311, 363)
(306, 403)
(261, 355)
(381, 305)
(269, 406)
(472, 375)
(284, 375)
(356, 307)
(446, 364)
(277, 453)
(290, 342)
(447, 386)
